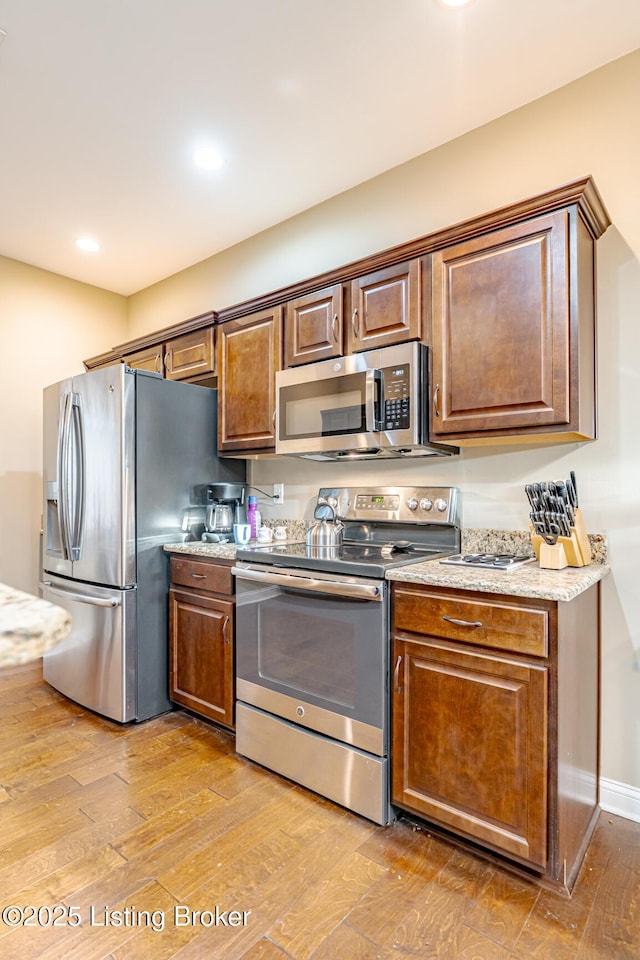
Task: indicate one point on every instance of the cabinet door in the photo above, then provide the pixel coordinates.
(201, 655)
(501, 317)
(386, 308)
(191, 355)
(249, 354)
(313, 326)
(151, 358)
(470, 745)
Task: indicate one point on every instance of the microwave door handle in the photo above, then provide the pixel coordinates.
(372, 401)
(379, 399)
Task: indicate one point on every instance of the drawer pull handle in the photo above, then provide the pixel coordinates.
(463, 623)
(199, 576)
(396, 675)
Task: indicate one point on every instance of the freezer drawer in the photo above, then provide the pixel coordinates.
(96, 664)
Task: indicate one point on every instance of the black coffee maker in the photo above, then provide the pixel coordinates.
(225, 506)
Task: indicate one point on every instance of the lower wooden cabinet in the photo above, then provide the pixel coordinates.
(471, 730)
(495, 720)
(201, 632)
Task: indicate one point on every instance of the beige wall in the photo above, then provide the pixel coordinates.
(48, 325)
(588, 127)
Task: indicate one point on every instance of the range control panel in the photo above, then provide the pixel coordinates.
(393, 504)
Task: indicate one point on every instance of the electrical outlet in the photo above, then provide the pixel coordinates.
(278, 493)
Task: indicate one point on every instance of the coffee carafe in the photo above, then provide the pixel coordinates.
(225, 506)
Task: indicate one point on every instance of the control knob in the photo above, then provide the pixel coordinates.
(442, 505)
(412, 503)
(426, 504)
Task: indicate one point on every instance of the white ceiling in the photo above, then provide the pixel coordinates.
(102, 103)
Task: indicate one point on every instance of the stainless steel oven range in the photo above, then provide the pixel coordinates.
(312, 640)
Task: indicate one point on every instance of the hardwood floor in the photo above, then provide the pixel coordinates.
(147, 831)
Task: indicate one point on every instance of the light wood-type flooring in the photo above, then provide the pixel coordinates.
(146, 830)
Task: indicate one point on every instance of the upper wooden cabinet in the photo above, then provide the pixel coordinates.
(386, 307)
(191, 355)
(249, 354)
(151, 358)
(313, 326)
(513, 333)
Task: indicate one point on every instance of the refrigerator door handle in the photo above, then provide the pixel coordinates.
(80, 597)
(79, 477)
(64, 476)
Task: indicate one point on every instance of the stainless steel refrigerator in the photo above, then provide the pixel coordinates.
(123, 452)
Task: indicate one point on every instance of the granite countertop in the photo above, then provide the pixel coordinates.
(29, 626)
(529, 581)
(196, 548)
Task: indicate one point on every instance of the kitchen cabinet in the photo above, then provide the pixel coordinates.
(150, 358)
(201, 637)
(386, 307)
(495, 720)
(249, 354)
(187, 357)
(191, 356)
(313, 326)
(513, 333)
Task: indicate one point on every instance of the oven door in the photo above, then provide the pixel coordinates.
(312, 648)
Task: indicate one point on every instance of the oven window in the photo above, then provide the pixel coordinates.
(323, 408)
(308, 654)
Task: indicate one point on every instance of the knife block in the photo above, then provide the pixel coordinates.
(566, 552)
(551, 556)
(582, 537)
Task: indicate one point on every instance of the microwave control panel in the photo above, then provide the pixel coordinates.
(396, 399)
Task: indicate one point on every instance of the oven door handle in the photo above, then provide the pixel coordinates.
(336, 588)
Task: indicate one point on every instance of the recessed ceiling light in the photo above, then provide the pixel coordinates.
(208, 158)
(454, 3)
(88, 244)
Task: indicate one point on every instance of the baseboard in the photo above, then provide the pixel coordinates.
(620, 798)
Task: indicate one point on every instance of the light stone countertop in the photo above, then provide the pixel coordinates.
(529, 581)
(196, 548)
(29, 626)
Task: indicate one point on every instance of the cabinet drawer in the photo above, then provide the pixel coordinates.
(202, 574)
(486, 623)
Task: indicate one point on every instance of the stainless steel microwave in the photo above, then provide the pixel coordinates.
(363, 406)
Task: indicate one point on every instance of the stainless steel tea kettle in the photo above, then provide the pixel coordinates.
(326, 532)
